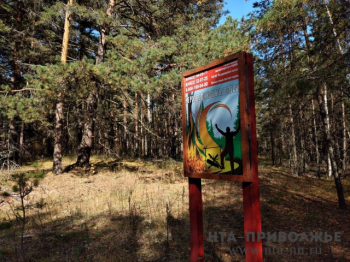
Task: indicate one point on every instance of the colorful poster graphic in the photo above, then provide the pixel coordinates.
(213, 135)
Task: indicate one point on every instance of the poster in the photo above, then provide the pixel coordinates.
(213, 131)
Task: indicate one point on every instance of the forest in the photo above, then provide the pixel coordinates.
(85, 80)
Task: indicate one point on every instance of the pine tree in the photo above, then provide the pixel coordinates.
(295, 70)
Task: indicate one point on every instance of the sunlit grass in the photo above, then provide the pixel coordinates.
(139, 209)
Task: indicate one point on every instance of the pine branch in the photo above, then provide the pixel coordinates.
(169, 66)
(20, 90)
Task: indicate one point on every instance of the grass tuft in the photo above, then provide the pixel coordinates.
(5, 194)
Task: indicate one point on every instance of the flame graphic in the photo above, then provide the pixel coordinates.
(199, 150)
(222, 105)
(203, 131)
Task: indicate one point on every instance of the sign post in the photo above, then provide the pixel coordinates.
(251, 198)
(219, 134)
(196, 219)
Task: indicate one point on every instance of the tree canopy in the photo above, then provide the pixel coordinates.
(119, 90)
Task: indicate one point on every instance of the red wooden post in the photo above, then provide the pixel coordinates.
(196, 219)
(251, 199)
(249, 175)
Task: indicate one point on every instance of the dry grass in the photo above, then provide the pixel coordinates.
(118, 212)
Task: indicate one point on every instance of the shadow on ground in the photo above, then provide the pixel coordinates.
(288, 204)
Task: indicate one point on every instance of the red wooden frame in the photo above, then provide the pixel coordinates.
(244, 118)
(251, 199)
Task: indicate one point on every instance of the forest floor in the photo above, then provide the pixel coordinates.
(138, 211)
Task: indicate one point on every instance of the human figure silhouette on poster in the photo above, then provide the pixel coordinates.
(229, 148)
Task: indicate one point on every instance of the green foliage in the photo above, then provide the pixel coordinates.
(40, 204)
(22, 185)
(237, 140)
(5, 194)
(313, 216)
(36, 182)
(139, 56)
(5, 225)
(37, 164)
(15, 188)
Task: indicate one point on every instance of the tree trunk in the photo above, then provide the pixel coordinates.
(136, 136)
(272, 145)
(168, 135)
(111, 131)
(58, 136)
(86, 144)
(329, 166)
(329, 162)
(57, 153)
(21, 140)
(280, 149)
(341, 50)
(141, 130)
(302, 162)
(334, 31)
(13, 137)
(344, 134)
(149, 141)
(333, 126)
(85, 147)
(322, 100)
(154, 142)
(65, 40)
(84, 150)
(294, 147)
(316, 139)
(125, 135)
(174, 129)
(156, 121)
(117, 135)
(163, 150)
